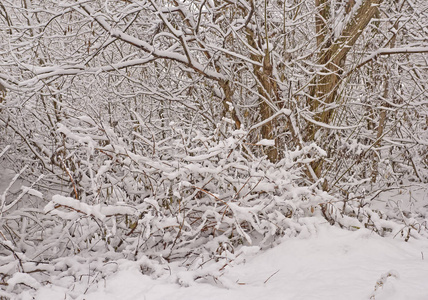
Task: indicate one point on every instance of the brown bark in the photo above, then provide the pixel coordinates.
(321, 20)
(228, 93)
(2, 92)
(268, 91)
(332, 58)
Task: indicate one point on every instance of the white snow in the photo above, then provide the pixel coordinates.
(91, 210)
(331, 264)
(32, 192)
(22, 278)
(265, 142)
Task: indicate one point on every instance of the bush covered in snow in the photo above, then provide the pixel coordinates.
(155, 132)
(200, 200)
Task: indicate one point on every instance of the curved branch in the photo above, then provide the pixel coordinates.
(147, 47)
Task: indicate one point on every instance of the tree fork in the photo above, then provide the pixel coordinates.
(324, 87)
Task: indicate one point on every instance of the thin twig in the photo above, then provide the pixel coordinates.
(271, 276)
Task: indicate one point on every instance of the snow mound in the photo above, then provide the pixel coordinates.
(332, 264)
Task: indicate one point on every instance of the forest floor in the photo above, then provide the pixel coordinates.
(331, 264)
(324, 262)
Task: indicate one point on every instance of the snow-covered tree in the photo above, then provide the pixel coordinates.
(158, 126)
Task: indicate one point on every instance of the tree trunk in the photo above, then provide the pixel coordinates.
(332, 59)
(267, 89)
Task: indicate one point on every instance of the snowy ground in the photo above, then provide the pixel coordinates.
(331, 264)
(325, 263)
